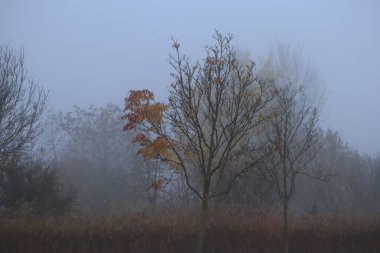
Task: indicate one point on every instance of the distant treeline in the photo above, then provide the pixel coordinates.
(88, 156)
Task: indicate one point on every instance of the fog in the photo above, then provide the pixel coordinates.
(93, 52)
(145, 126)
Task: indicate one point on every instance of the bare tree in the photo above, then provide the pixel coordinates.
(292, 131)
(213, 111)
(22, 103)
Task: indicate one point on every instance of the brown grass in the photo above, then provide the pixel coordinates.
(175, 231)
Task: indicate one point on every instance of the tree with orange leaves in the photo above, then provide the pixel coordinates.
(215, 108)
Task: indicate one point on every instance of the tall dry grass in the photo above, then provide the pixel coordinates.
(175, 230)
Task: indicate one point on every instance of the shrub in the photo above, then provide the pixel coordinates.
(33, 187)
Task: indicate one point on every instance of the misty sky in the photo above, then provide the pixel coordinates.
(93, 52)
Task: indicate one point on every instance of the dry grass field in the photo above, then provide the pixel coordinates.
(175, 231)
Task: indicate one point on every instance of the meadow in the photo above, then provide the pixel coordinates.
(175, 230)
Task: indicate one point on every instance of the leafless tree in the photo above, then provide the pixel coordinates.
(292, 131)
(22, 103)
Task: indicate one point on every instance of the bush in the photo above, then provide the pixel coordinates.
(33, 187)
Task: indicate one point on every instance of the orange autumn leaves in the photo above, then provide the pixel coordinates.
(142, 111)
(146, 116)
(156, 148)
(157, 185)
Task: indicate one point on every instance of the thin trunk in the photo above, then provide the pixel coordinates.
(285, 233)
(202, 224)
(155, 190)
(285, 203)
(154, 200)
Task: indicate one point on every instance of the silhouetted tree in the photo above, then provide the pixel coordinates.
(22, 103)
(209, 123)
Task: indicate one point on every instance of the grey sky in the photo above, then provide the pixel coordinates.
(93, 52)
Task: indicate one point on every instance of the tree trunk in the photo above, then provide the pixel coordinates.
(285, 232)
(202, 224)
